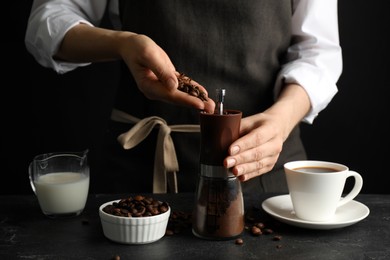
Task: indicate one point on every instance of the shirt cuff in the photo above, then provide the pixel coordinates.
(319, 88)
(48, 43)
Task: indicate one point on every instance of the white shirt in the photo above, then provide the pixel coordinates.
(314, 62)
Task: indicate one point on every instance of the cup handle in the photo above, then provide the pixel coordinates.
(355, 190)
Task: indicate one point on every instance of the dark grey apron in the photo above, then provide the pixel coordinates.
(236, 45)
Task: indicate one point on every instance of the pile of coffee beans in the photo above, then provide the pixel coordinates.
(137, 206)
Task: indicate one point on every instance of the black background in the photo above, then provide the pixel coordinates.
(44, 112)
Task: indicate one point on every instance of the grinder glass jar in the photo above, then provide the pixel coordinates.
(219, 207)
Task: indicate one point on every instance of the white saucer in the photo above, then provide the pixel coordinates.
(280, 207)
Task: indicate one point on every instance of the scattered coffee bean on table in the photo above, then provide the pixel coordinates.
(277, 238)
(268, 231)
(258, 228)
(256, 231)
(239, 241)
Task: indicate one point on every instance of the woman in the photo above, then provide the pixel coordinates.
(279, 62)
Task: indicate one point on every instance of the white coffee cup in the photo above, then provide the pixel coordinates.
(60, 181)
(316, 188)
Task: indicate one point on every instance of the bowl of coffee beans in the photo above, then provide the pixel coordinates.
(134, 220)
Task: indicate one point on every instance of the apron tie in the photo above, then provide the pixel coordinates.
(165, 161)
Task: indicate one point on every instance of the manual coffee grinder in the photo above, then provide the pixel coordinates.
(219, 207)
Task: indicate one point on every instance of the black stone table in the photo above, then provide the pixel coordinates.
(25, 233)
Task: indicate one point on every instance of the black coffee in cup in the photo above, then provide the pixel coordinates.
(311, 169)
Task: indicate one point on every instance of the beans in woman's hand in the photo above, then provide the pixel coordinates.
(185, 85)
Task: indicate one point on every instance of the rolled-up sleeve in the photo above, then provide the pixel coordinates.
(314, 60)
(48, 23)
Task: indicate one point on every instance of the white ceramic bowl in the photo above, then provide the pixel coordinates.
(133, 230)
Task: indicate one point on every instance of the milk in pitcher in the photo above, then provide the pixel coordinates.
(62, 192)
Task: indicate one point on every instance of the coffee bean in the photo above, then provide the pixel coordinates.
(260, 225)
(139, 198)
(277, 238)
(256, 231)
(163, 208)
(169, 232)
(239, 241)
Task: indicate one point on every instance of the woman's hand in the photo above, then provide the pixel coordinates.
(262, 135)
(257, 151)
(156, 76)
